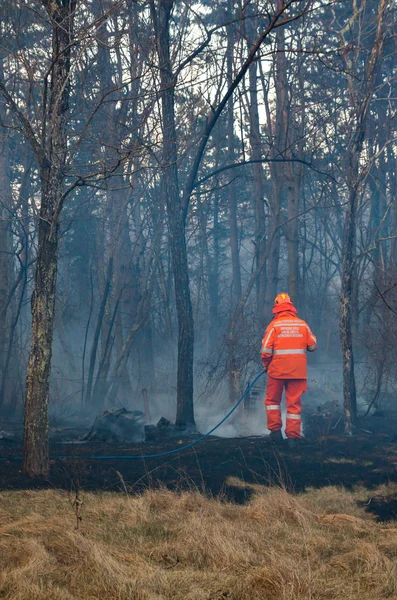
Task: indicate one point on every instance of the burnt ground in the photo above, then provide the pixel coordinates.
(210, 465)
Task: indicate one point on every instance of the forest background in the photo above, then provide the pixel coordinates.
(167, 167)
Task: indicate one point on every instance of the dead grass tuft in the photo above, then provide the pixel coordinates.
(163, 545)
(346, 521)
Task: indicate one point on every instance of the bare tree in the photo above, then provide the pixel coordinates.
(360, 98)
(50, 152)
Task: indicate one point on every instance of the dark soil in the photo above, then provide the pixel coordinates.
(210, 466)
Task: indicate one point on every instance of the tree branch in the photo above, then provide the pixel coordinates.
(25, 125)
(263, 160)
(384, 299)
(213, 118)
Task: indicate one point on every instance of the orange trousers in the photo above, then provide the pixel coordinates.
(294, 388)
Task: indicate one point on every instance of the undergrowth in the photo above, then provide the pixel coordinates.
(163, 545)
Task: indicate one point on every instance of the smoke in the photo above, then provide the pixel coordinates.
(324, 386)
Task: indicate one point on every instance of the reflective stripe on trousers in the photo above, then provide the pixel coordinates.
(294, 388)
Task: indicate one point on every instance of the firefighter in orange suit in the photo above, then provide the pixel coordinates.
(283, 354)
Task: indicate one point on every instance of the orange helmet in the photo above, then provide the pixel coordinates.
(282, 299)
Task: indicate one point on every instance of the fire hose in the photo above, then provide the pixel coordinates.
(167, 452)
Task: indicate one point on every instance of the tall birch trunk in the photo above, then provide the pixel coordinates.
(52, 171)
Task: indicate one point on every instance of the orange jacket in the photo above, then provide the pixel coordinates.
(284, 346)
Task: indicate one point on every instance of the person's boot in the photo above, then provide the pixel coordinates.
(276, 437)
(293, 443)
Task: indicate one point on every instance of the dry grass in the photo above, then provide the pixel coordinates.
(162, 545)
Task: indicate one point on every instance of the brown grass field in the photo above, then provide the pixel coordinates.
(162, 544)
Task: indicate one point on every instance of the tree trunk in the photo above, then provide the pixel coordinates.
(89, 400)
(232, 201)
(35, 451)
(213, 261)
(146, 370)
(35, 448)
(345, 315)
(272, 273)
(393, 250)
(5, 243)
(234, 362)
(278, 136)
(292, 234)
(259, 188)
(361, 99)
(176, 220)
(295, 128)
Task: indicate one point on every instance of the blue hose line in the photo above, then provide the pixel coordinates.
(168, 452)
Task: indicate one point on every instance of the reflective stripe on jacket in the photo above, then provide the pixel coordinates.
(284, 346)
